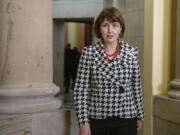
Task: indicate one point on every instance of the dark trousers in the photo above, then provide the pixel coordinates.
(113, 126)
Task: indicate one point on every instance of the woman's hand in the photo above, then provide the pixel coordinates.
(139, 124)
(85, 130)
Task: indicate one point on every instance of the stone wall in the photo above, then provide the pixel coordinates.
(166, 118)
(48, 123)
(178, 40)
(133, 12)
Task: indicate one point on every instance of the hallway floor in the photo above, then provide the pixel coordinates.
(69, 106)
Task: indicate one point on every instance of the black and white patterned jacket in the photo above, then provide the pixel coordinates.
(104, 89)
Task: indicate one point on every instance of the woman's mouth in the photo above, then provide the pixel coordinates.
(109, 36)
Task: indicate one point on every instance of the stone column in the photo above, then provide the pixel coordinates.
(26, 69)
(175, 83)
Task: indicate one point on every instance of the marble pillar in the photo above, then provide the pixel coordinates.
(26, 71)
(28, 105)
(175, 83)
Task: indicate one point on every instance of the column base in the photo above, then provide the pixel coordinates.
(37, 98)
(28, 90)
(48, 123)
(174, 94)
(175, 83)
(17, 105)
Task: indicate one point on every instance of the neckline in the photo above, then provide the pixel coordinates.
(115, 52)
(100, 48)
(111, 57)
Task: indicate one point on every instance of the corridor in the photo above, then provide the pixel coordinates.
(37, 76)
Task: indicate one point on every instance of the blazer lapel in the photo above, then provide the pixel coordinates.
(109, 71)
(101, 63)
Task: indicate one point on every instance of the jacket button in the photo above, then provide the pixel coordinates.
(121, 89)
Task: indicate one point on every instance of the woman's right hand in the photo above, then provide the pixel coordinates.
(85, 130)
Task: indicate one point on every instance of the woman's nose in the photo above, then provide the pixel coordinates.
(110, 28)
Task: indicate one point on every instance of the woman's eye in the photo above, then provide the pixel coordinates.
(116, 25)
(104, 25)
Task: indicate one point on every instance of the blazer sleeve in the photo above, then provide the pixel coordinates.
(137, 86)
(82, 88)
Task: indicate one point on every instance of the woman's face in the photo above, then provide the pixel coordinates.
(110, 31)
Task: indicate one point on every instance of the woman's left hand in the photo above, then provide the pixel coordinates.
(139, 124)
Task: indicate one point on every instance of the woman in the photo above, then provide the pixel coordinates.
(108, 94)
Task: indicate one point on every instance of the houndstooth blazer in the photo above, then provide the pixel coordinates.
(105, 89)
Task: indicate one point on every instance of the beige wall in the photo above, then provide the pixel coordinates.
(178, 41)
(147, 68)
(75, 34)
(72, 34)
(133, 12)
(81, 35)
(161, 46)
